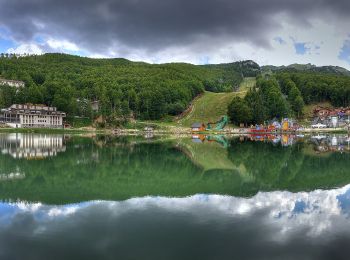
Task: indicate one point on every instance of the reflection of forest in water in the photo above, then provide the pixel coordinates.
(113, 168)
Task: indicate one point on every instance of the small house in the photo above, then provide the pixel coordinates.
(347, 111)
(317, 120)
(198, 127)
(322, 112)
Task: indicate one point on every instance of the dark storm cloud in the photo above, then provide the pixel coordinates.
(153, 24)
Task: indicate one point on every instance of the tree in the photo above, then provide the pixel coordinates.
(255, 101)
(296, 101)
(239, 111)
(298, 105)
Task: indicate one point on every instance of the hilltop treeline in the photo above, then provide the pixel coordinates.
(310, 68)
(123, 88)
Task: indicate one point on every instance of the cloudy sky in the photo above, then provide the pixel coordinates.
(278, 32)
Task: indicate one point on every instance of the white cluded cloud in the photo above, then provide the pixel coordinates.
(43, 45)
(62, 45)
(29, 48)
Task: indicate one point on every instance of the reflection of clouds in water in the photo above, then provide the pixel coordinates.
(344, 201)
(270, 225)
(317, 211)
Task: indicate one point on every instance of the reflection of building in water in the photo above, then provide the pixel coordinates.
(219, 139)
(31, 146)
(12, 176)
(284, 140)
(331, 143)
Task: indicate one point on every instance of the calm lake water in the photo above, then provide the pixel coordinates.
(206, 197)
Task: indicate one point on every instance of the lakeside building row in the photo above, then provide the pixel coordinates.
(324, 112)
(332, 117)
(32, 116)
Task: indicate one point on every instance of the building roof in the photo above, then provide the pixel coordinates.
(32, 109)
(197, 125)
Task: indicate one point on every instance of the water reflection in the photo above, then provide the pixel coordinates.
(331, 143)
(323, 142)
(118, 168)
(219, 139)
(284, 140)
(270, 225)
(208, 197)
(12, 176)
(32, 146)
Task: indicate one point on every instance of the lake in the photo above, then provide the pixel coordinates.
(200, 197)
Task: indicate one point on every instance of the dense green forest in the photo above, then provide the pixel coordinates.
(123, 88)
(266, 101)
(285, 92)
(316, 84)
(317, 87)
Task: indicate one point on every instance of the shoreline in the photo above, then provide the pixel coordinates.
(169, 131)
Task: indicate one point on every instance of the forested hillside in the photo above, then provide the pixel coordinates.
(122, 87)
(127, 89)
(285, 93)
(316, 84)
(317, 87)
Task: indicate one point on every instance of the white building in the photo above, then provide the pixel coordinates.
(12, 83)
(32, 116)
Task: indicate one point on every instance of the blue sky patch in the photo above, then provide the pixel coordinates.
(5, 45)
(39, 39)
(79, 53)
(344, 53)
(5, 41)
(300, 48)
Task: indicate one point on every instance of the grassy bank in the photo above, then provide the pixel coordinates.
(247, 84)
(208, 108)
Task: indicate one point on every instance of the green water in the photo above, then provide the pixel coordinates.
(209, 197)
(109, 168)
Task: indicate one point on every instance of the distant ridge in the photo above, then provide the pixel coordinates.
(307, 68)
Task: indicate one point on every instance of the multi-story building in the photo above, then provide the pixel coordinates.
(32, 116)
